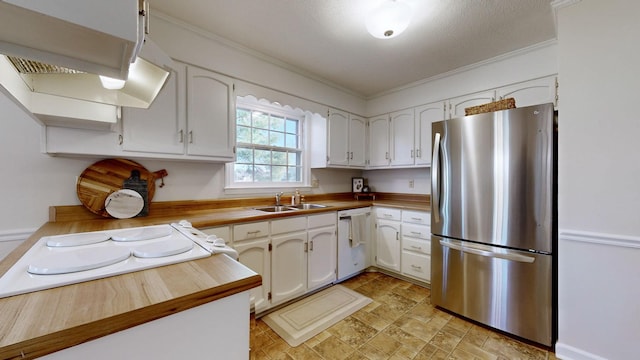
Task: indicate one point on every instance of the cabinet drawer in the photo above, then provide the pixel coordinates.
(287, 225)
(416, 231)
(250, 230)
(322, 220)
(416, 217)
(223, 232)
(421, 246)
(389, 214)
(416, 265)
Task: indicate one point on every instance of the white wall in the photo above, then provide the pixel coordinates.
(397, 180)
(599, 247)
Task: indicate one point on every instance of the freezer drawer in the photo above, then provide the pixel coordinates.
(509, 290)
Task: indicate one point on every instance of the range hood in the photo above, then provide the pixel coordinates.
(53, 52)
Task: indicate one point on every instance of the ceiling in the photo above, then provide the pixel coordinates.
(328, 40)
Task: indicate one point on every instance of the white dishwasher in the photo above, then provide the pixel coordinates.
(353, 257)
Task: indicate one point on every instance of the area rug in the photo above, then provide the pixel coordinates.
(302, 320)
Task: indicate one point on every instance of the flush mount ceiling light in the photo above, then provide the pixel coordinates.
(389, 20)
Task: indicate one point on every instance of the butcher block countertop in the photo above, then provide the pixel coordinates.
(41, 322)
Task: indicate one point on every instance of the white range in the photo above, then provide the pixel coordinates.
(72, 258)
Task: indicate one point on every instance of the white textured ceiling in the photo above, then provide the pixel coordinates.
(327, 39)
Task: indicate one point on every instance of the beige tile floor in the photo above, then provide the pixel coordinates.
(399, 324)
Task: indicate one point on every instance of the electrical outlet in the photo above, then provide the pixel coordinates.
(411, 184)
(315, 183)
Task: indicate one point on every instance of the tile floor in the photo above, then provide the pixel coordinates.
(399, 324)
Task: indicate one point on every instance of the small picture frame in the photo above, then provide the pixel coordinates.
(357, 183)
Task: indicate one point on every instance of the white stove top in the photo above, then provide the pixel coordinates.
(68, 259)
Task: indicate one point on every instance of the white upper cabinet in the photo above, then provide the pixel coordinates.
(338, 141)
(210, 114)
(158, 129)
(379, 141)
(457, 105)
(425, 115)
(402, 138)
(338, 129)
(357, 141)
(193, 116)
(533, 92)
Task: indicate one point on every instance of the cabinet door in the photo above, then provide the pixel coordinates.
(255, 255)
(338, 124)
(357, 143)
(534, 92)
(210, 114)
(457, 105)
(388, 244)
(402, 137)
(425, 115)
(379, 141)
(161, 127)
(321, 257)
(288, 267)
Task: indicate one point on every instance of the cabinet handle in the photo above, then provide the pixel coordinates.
(254, 232)
(416, 266)
(416, 247)
(306, 247)
(386, 155)
(181, 136)
(191, 137)
(416, 218)
(387, 215)
(310, 245)
(412, 153)
(120, 139)
(352, 155)
(419, 153)
(416, 233)
(397, 235)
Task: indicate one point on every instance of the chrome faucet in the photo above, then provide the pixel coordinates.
(278, 195)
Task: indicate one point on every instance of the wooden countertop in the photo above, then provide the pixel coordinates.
(46, 321)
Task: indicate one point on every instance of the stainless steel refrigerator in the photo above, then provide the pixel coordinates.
(493, 219)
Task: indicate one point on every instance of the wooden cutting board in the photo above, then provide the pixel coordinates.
(107, 176)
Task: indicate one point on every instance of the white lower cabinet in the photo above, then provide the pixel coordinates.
(416, 245)
(256, 256)
(403, 242)
(388, 238)
(288, 259)
(322, 251)
(288, 262)
(253, 244)
(293, 255)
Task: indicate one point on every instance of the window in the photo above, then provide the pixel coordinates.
(269, 146)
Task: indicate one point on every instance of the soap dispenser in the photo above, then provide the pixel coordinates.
(296, 197)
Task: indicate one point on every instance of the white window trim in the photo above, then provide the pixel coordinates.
(232, 188)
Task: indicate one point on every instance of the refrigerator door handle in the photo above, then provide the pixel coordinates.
(435, 177)
(476, 250)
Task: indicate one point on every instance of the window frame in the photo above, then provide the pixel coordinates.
(250, 103)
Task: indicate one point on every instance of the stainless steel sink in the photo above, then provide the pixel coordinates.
(309, 206)
(281, 208)
(275, 208)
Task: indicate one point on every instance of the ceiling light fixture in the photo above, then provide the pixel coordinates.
(389, 20)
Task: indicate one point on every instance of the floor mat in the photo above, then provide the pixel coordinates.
(302, 320)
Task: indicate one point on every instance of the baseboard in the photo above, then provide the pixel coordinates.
(566, 352)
